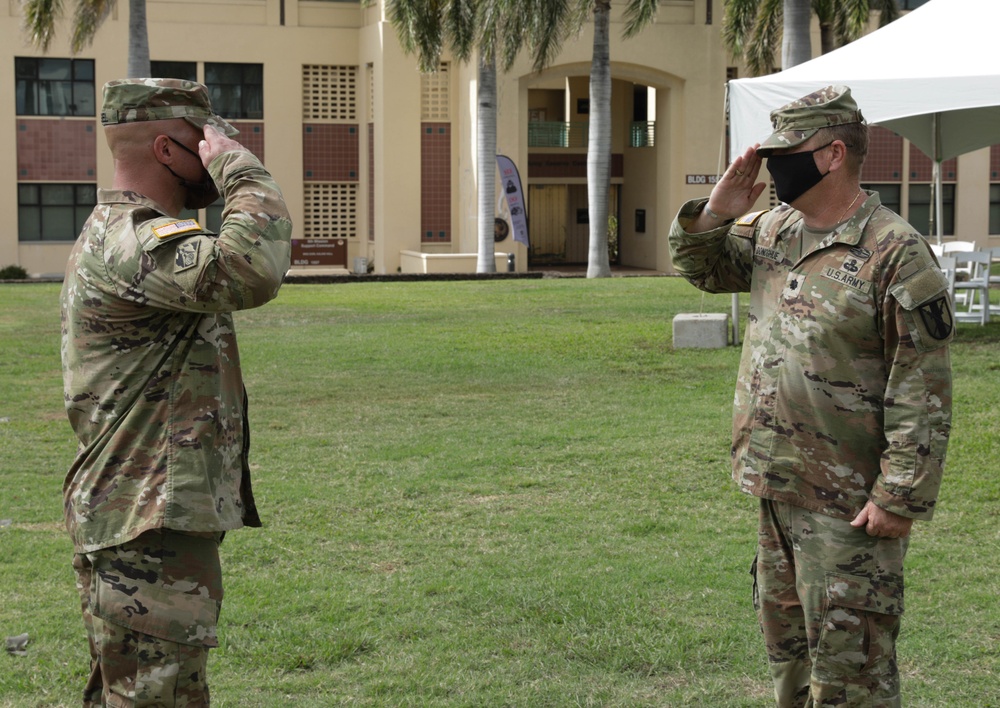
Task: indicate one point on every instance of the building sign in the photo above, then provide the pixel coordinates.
(549, 164)
(319, 252)
(702, 179)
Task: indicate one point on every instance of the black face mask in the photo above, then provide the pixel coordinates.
(795, 174)
(199, 194)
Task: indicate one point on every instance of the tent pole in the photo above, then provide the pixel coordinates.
(937, 200)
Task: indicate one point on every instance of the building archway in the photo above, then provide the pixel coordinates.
(644, 105)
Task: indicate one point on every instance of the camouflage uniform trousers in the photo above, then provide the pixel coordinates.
(829, 598)
(150, 607)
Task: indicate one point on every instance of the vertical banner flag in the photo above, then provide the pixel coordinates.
(510, 182)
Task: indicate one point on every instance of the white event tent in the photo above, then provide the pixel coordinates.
(932, 76)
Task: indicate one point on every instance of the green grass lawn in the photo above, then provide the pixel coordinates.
(488, 493)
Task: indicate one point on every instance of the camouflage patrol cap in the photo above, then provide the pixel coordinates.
(796, 122)
(134, 100)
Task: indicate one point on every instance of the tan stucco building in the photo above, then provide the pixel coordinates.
(378, 162)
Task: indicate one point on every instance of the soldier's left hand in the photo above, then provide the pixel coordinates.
(884, 524)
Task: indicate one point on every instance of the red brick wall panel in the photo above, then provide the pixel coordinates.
(56, 150)
(251, 136)
(435, 180)
(330, 152)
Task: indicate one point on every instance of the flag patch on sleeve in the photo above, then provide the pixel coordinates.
(176, 227)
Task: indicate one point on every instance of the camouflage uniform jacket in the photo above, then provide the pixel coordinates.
(152, 378)
(844, 388)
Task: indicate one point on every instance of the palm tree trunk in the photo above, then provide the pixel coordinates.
(599, 144)
(138, 40)
(827, 37)
(486, 156)
(796, 46)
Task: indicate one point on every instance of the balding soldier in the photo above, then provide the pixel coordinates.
(843, 401)
(153, 386)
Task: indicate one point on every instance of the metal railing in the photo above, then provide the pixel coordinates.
(557, 134)
(543, 134)
(643, 134)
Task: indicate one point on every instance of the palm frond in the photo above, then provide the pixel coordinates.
(639, 14)
(419, 29)
(87, 20)
(40, 21)
(888, 11)
(766, 37)
(738, 20)
(852, 20)
(459, 18)
(545, 27)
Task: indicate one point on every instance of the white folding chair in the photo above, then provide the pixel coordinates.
(995, 277)
(937, 249)
(947, 266)
(975, 289)
(949, 248)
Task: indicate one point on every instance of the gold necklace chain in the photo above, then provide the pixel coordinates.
(849, 206)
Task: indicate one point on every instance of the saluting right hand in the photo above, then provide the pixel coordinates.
(214, 144)
(735, 194)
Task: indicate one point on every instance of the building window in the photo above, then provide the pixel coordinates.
(919, 212)
(236, 90)
(920, 208)
(53, 212)
(54, 87)
(888, 194)
(213, 215)
(183, 70)
(995, 208)
(911, 4)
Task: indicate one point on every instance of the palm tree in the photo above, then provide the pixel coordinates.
(40, 17)
(500, 29)
(599, 144)
(556, 20)
(424, 28)
(750, 28)
(486, 156)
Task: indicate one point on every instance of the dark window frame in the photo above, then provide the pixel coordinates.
(994, 208)
(42, 213)
(40, 83)
(236, 89)
(890, 194)
(184, 70)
